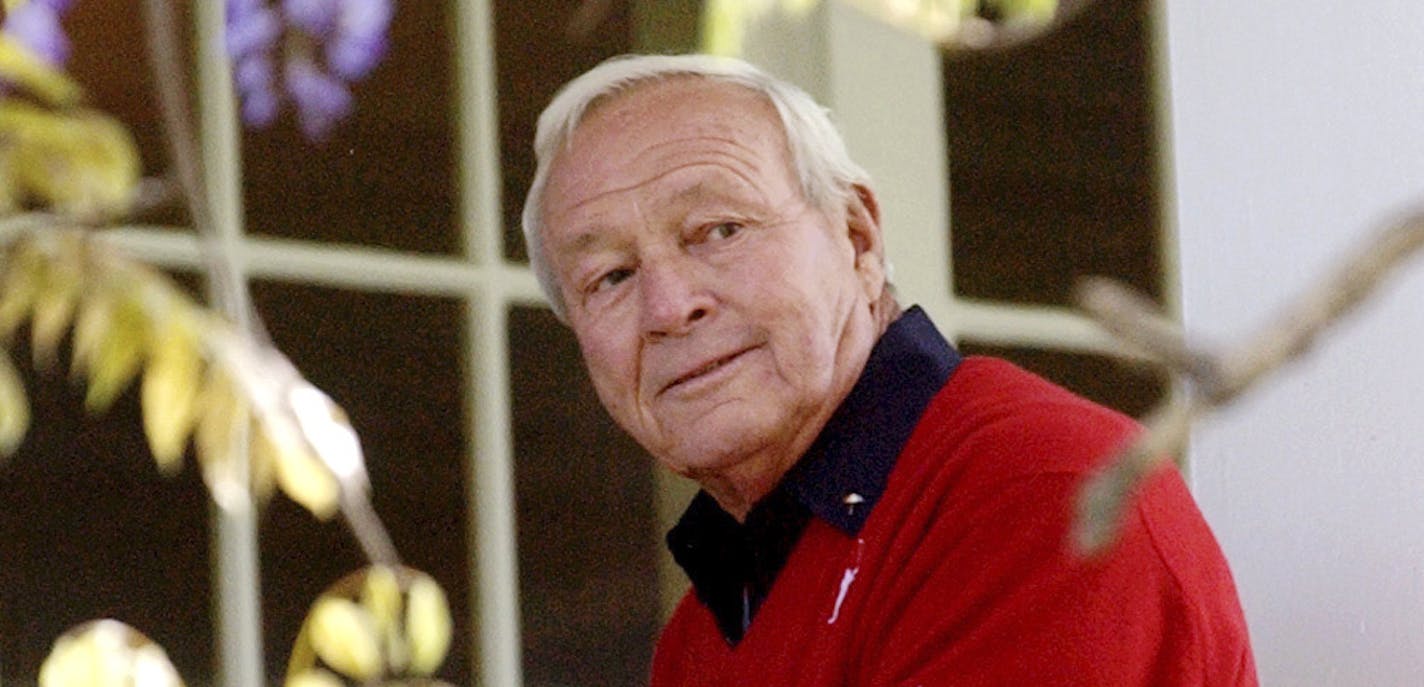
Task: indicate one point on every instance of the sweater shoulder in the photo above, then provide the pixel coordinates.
(993, 420)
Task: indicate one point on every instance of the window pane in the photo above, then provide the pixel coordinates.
(386, 176)
(394, 363)
(587, 527)
(536, 55)
(1106, 380)
(110, 60)
(1052, 168)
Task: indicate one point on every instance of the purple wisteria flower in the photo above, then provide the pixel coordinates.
(322, 46)
(36, 26)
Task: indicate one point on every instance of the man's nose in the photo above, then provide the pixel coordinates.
(675, 297)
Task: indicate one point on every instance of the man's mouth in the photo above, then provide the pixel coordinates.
(705, 369)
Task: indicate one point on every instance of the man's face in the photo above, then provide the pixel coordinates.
(722, 317)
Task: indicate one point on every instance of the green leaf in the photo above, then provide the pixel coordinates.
(381, 597)
(315, 677)
(107, 653)
(118, 356)
(23, 274)
(77, 162)
(1036, 11)
(344, 637)
(427, 625)
(303, 477)
(14, 408)
(222, 413)
(724, 26)
(90, 326)
(169, 391)
(57, 298)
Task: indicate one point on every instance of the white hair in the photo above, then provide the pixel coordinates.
(818, 154)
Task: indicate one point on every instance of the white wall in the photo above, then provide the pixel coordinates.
(1296, 127)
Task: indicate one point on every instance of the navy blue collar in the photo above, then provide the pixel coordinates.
(839, 479)
(843, 475)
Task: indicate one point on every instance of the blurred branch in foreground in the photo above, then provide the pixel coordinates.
(1215, 378)
(950, 24)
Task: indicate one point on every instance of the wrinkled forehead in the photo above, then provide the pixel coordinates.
(637, 133)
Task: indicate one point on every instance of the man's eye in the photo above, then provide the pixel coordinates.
(612, 278)
(724, 230)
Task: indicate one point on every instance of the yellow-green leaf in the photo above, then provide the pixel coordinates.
(344, 636)
(107, 653)
(118, 356)
(11, 195)
(169, 391)
(381, 597)
(79, 162)
(303, 657)
(263, 465)
(1035, 11)
(79, 662)
(304, 479)
(21, 66)
(315, 677)
(151, 668)
(222, 413)
(14, 408)
(724, 24)
(427, 625)
(23, 275)
(90, 327)
(56, 301)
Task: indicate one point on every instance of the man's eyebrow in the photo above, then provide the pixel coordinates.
(702, 190)
(694, 191)
(586, 239)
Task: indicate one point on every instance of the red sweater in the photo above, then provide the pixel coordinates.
(962, 574)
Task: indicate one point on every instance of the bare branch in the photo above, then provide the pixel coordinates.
(1217, 379)
(1321, 307)
(1132, 318)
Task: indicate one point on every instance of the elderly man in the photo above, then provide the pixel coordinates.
(875, 510)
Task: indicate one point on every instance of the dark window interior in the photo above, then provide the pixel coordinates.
(1052, 166)
(1053, 177)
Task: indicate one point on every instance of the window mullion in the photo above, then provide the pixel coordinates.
(490, 464)
(236, 557)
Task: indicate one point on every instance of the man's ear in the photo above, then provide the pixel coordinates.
(863, 226)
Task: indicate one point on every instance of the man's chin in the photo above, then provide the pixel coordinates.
(717, 456)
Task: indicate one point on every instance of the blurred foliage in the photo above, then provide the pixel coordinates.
(54, 153)
(107, 653)
(379, 624)
(65, 171)
(946, 22)
(130, 320)
(74, 161)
